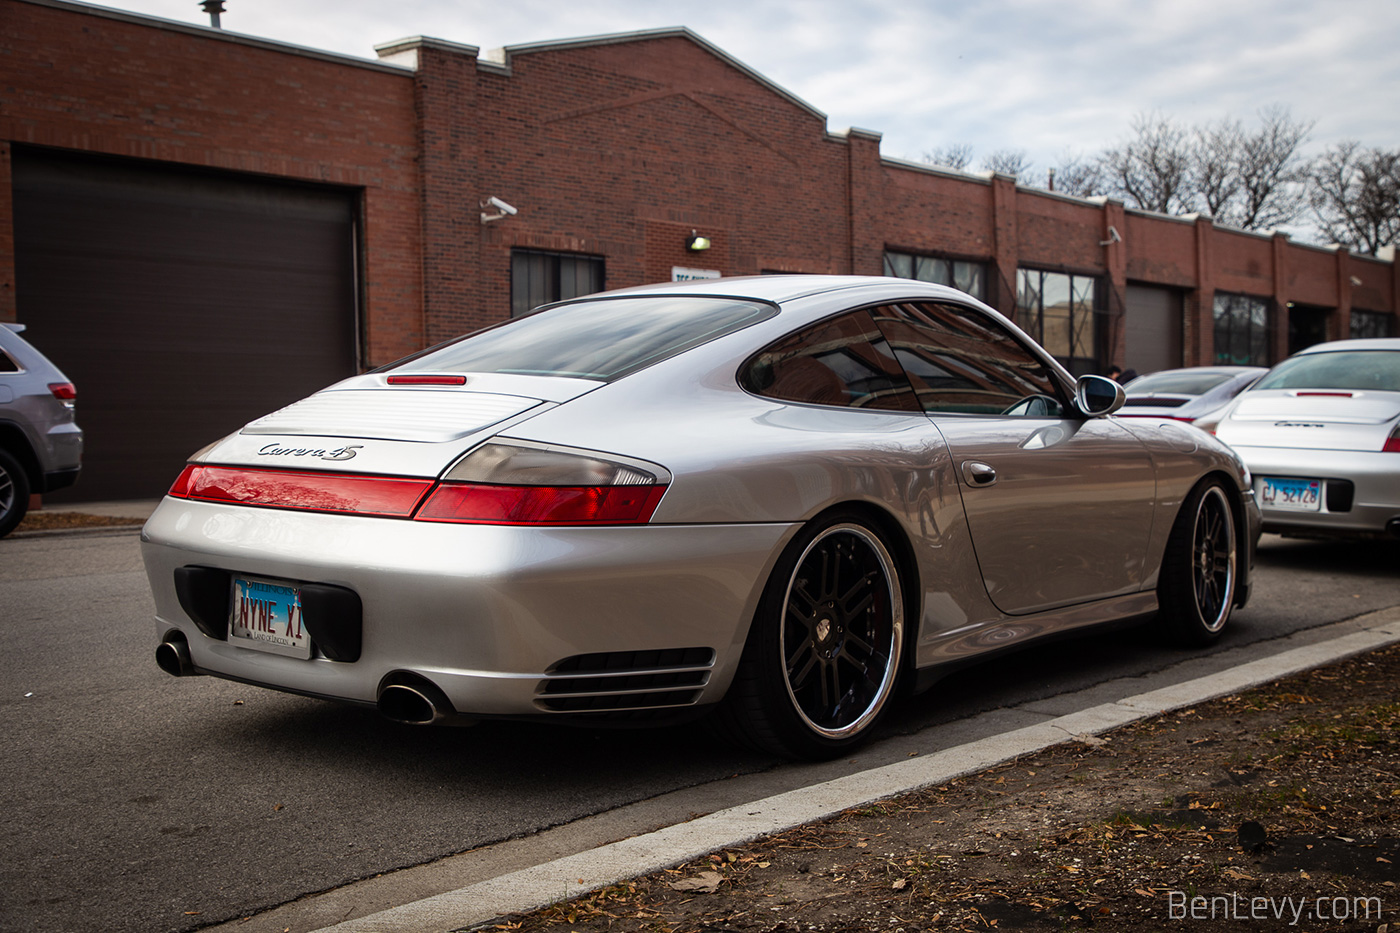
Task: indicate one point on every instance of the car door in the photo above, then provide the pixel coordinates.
(1059, 506)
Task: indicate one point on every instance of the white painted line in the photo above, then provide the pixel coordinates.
(532, 888)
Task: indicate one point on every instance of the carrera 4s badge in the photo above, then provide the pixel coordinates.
(338, 453)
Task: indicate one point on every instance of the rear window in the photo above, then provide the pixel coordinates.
(604, 339)
(1177, 383)
(1358, 370)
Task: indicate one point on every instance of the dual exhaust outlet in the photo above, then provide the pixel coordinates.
(403, 695)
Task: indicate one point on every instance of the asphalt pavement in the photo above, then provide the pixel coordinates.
(139, 802)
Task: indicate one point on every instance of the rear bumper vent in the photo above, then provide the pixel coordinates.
(1340, 493)
(624, 681)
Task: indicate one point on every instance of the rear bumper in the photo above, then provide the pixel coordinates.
(1374, 493)
(55, 480)
(487, 613)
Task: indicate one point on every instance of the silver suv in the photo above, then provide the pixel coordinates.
(41, 446)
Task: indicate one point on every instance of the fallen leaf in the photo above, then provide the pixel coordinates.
(707, 882)
(899, 885)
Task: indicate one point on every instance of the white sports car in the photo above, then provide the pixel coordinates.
(781, 500)
(1321, 433)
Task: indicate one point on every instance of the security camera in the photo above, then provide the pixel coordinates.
(500, 205)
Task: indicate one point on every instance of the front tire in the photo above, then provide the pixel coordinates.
(824, 649)
(1197, 587)
(14, 493)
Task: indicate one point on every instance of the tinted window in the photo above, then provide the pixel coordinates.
(1178, 383)
(1378, 370)
(7, 365)
(604, 339)
(841, 361)
(961, 361)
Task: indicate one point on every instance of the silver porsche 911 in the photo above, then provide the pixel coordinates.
(780, 500)
(1321, 433)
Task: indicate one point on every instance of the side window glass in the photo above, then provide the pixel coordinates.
(7, 365)
(961, 361)
(842, 361)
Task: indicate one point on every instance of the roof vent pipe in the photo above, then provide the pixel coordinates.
(213, 8)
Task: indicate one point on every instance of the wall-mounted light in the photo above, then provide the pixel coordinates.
(501, 208)
(696, 243)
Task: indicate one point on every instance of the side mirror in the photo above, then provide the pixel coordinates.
(1097, 396)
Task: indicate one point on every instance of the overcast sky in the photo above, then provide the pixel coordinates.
(1049, 78)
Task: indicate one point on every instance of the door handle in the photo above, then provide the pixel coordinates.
(978, 474)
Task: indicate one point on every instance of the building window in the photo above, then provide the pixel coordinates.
(1366, 324)
(1060, 311)
(537, 278)
(970, 277)
(1241, 330)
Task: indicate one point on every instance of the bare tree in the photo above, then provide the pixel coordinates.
(1356, 196)
(1008, 162)
(953, 155)
(1151, 169)
(1271, 172)
(1078, 176)
(1215, 158)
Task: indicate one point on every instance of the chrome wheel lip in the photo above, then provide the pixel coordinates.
(893, 594)
(1213, 559)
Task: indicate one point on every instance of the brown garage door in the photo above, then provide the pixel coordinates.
(1153, 325)
(181, 303)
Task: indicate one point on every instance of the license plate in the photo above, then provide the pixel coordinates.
(266, 616)
(1301, 495)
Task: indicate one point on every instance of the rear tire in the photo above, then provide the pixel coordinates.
(14, 493)
(824, 649)
(1197, 586)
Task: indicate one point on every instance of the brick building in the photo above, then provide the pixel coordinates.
(200, 226)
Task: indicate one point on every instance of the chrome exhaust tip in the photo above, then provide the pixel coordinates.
(173, 656)
(413, 699)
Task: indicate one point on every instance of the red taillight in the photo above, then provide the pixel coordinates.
(1326, 394)
(1392, 443)
(385, 496)
(180, 489)
(541, 505)
(65, 391)
(426, 380)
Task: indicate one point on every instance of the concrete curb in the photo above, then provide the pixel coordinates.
(532, 888)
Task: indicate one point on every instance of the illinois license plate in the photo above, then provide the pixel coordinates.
(266, 616)
(1302, 495)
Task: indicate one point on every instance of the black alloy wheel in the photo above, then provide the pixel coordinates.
(1197, 590)
(838, 631)
(824, 651)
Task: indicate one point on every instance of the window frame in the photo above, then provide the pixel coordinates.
(1387, 322)
(1258, 340)
(1031, 319)
(553, 292)
(982, 267)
